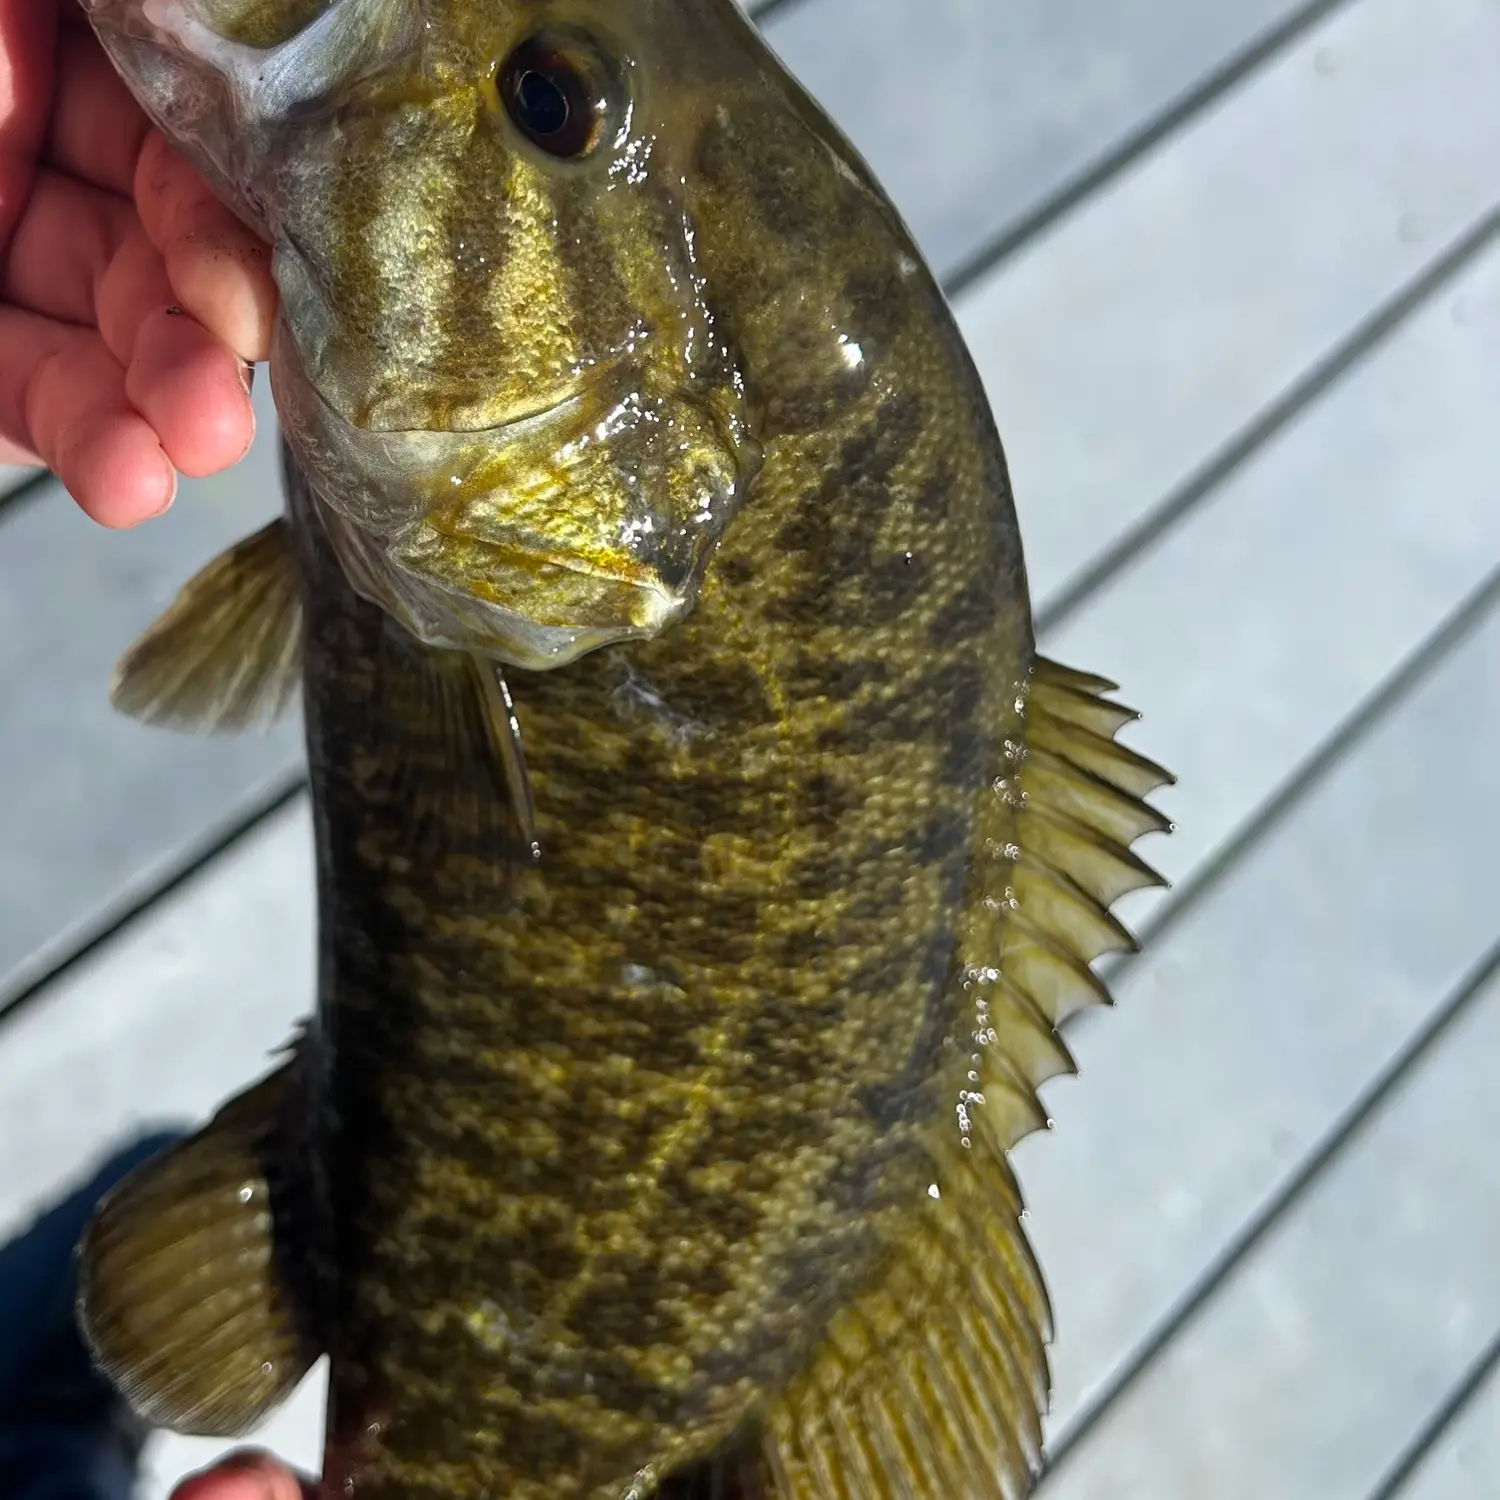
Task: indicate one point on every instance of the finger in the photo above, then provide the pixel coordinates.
(245, 1476)
(193, 390)
(97, 127)
(220, 271)
(63, 398)
(135, 285)
(63, 248)
(27, 31)
(18, 455)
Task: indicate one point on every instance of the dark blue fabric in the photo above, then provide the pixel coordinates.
(63, 1433)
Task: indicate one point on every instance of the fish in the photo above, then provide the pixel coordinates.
(706, 856)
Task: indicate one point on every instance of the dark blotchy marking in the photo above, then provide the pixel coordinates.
(432, 1429)
(825, 799)
(710, 801)
(857, 490)
(908, 1097)
(798, 947)
(879, 302)
(832, 531)
(940, 836)
(957, 690)
(944, 708)
(892, 587)
(722, 690)
(825, 869)
(968, 756)
(900, 417)
(935, 496)
(854, 1186)
(839, 677)
(776, 185)
(732, 1217)
(622, 1306)
(799, 394)
(970, 612)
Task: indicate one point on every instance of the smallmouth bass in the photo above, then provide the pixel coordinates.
(705, 856)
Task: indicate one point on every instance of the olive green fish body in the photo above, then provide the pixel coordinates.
(706, 858)
(627, 1123)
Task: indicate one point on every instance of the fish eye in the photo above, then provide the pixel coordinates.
(555, 96)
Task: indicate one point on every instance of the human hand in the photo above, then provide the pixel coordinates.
(246, 1475)
(131, 301)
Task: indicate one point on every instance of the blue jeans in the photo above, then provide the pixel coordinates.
(64, 1434)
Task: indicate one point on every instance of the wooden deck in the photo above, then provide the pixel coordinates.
(1231, 272)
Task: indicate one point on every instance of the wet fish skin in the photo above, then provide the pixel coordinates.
(676, 1153)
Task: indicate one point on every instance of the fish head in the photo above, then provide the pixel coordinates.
(498, 358)
(554, 276)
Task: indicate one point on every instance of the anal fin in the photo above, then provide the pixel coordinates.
(933, 1381)
(183, 1297)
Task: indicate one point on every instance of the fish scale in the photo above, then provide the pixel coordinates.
(694, 922)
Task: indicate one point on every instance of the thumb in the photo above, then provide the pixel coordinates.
(28, 33)
(246, 1475)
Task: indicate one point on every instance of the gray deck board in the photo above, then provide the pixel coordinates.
(975, 114)
(1129, 347)
(11, 476)
(1305, 1376)
(178, 1011)
(1465, 1462)
(95, 810)
(1255, 627)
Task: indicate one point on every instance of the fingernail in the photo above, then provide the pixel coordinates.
(247, 377)
(166, 504)
(254, 419)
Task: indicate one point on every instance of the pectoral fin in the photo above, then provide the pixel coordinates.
(227, 655)
(503, 732)
(183, 1294)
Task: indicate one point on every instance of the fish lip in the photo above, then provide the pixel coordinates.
(517, 641)
(442, 614)
(626, 575)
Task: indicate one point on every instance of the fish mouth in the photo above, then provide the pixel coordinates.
(532, 541)
(501, 621)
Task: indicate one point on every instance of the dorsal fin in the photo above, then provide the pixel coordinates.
(227, 654)
(934, 1381)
